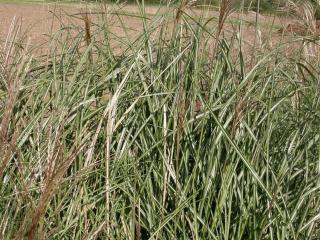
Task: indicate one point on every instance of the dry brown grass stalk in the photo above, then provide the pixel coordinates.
(180, 10)
(225, 10)
(55, 175)
(8, 54)
(87, 27)
(137, 225)
(58, 163)
(184, 4)
(87, 30)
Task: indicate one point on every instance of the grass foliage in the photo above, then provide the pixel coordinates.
(180, 135)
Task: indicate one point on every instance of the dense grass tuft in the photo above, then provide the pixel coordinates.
(176, 135)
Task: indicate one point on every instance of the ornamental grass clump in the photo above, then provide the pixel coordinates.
(176, 133)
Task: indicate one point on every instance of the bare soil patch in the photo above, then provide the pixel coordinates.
(39, 21)
(36, 20)
(301, 29)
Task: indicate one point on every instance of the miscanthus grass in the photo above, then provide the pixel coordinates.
(179, 134)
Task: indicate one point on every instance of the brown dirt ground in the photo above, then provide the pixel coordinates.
(36, 19)
(40, 20)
